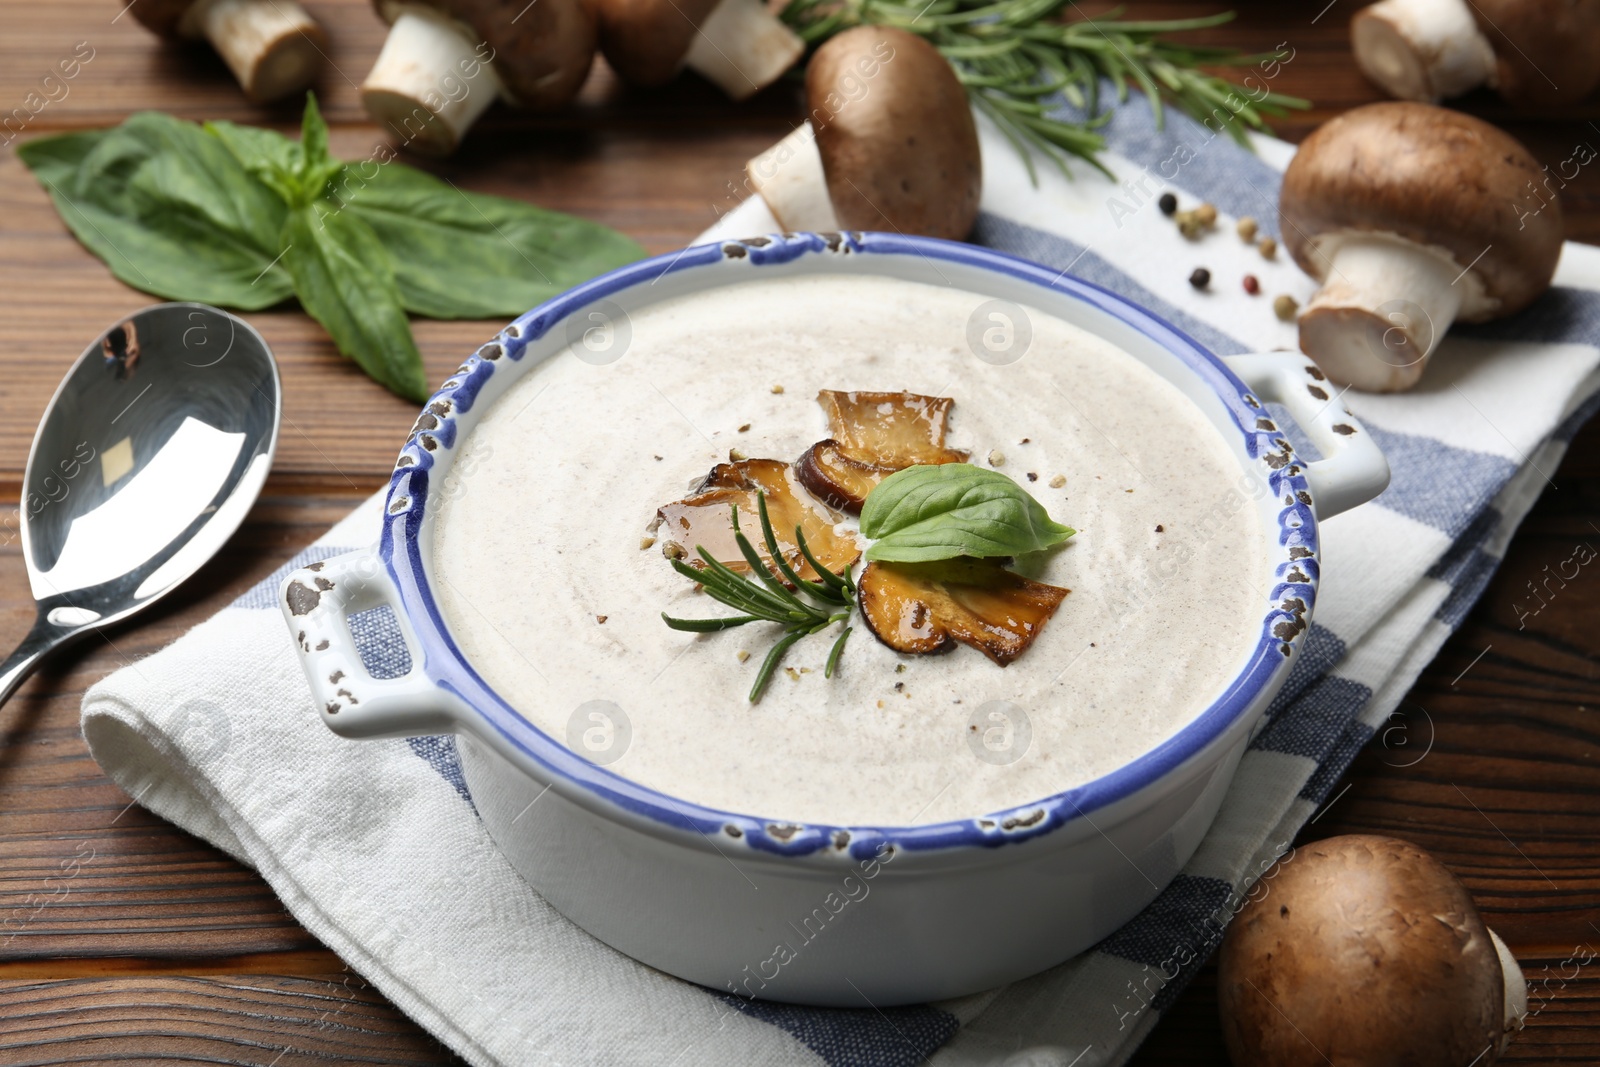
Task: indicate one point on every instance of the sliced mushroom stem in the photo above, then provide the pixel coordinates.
(1385, 304)
(743, 48)
(272, 46)
(790, 178)
(1424, 50)
(430, 83)
(1516, 991)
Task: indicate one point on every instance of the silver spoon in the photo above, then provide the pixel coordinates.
(154, 447)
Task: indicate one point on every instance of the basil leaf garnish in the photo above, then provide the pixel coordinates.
(245, 217)
(928, 513)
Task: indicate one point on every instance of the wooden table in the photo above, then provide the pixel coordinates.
(123, 940)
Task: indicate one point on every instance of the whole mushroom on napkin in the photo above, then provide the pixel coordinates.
(1410, 218)
(890, 143)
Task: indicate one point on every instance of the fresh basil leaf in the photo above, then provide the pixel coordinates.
(298, 173)
(344, 280)
(169, 209)
(268, 155)
(461, 255)
(316, 166)
(928, 513)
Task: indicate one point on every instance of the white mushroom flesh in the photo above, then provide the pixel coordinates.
(270, 45)
(1384, 305)
(742, 48)
(1425, 50)
(431, 81)
(1516, 986)
(790, 179)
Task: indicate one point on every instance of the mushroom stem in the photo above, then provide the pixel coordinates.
(1516, 991)
(743, 48)
(430, 83)
(272, 46)
(1423, 50)
(1384, 304)
(790, 179)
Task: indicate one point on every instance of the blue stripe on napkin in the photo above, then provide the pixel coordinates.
(1172, 936)
(1439, 484)
(890, 1037)
(1318, 718)
(1561, 314)
(1336, 762)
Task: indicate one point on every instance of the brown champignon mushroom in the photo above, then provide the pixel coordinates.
(890, 145)
(738, 45)
(1365, 950)
(445, 61)
(704, 519)
(1410, 216)
(872, 435)
(918, 608)
(1533, 52)
(272, 46)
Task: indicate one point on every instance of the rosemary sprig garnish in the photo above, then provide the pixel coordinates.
(765, 598)
(1015, 55)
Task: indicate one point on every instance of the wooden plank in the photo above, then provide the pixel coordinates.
(247, 1019)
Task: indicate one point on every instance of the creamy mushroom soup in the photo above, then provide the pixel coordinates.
(553, 586)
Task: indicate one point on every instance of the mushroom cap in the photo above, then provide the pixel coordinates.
(645, 40)
(1547, 52)
(1432, 176)
(1360, 950)
(542, 51)
(895, 132)
(162, 17)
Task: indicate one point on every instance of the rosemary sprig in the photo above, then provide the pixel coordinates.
(766, 598)
(1015, 56)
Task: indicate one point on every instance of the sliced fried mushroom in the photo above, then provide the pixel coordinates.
(1535, 53)
(874, 435)
(923, 607)
(737, 44)
(1402, 252)
(704, 518)
(445, 61)
(890, 145)
(1365, 950)
(272, 46)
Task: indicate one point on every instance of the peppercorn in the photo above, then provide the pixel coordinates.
(1284, 307)
(1268, 248)
(1207, 214)
(1251, 285)
(1168, 203)
(1246, 228)
(1200, 278)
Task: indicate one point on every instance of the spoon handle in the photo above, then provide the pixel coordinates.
(40, 640)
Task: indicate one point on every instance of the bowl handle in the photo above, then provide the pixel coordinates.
(317, 603)
(1352, 470)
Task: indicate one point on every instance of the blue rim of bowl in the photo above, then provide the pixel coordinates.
(435, 435)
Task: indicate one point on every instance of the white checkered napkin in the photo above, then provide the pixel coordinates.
(377, 849)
